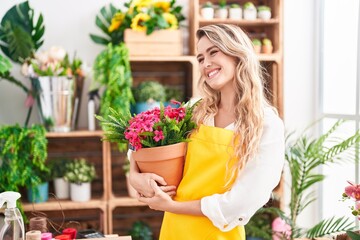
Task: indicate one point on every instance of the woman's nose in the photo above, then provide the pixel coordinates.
(207, 63)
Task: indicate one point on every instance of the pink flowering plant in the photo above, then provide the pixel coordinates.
(152, 128)
(353, 192)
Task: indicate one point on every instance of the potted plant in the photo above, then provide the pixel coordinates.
(235, 11)
(173, 94)
(80, 173)
(221, 10)
(257, 45)
(141, 231)
(147, 95)
(58, 171)
(207, 11)
(266, 46)
(259, 227)
(114, 22)
(303, 155)
(264, 12)
(40, 192)
(23, 154)
(249, 11)
(157, 136)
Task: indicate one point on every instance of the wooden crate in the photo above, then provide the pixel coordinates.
(158, 43)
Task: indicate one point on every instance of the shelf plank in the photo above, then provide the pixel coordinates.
(81, 133)
(183, 58)
(54, 205)
(274, 57)
(240, 22)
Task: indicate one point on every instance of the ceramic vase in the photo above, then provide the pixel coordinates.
(80, 192)
(207, 13)
(62, 188)
(38, 194)
(235, 13)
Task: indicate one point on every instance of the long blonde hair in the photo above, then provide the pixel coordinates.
(250, 100)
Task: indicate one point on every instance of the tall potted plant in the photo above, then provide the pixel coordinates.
(80, 173)
(303, 155)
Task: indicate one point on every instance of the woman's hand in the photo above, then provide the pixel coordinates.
(141, 183)
(161, 199)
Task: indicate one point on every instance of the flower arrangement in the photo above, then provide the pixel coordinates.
(156, 127)
(53, 62)
(139, 15)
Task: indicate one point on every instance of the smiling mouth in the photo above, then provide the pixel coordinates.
(213, 73)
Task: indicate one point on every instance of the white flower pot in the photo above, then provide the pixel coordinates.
(80, 192)
(207, 13)
(62, 188)
(265, 15)
(221, 13)
(235, 13)
(250, 14)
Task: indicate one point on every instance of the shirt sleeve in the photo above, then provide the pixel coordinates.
(255, 183)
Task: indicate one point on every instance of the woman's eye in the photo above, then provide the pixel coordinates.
(200, 60)
(212, 53)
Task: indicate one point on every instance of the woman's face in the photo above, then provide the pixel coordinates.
(216, 68)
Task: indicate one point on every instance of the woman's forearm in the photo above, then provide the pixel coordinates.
(189, 208)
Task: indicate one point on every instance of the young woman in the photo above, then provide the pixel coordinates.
(234, 159)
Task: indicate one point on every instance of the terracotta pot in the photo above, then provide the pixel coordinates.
(266, 49)
(166, 161)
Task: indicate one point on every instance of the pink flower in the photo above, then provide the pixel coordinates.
(281, 229)
(158, 135)
(353, 191)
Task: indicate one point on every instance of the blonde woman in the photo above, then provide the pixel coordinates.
(234, 159)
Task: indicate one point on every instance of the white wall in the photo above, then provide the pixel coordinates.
(69, 22)
(300, 76)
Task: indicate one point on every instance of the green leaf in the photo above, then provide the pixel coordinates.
(329, 226)
(20, 38)
(99, 40)
(5, 65)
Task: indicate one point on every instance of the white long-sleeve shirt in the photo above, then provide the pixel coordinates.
(254, 185)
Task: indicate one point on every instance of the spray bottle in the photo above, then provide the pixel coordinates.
(13, 228)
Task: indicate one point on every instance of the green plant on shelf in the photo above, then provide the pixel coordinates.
(141, 231)
(80, 171)
(149, 91)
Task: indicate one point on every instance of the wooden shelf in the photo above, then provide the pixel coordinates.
(274, 57)
(53, 205)
(240, 22)
(187, 58)
(71, 134)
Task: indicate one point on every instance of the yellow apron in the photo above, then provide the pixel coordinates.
(204, 175)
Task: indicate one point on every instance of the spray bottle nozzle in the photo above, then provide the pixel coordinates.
(10, 198)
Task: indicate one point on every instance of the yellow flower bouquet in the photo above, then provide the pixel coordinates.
(139, 15)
